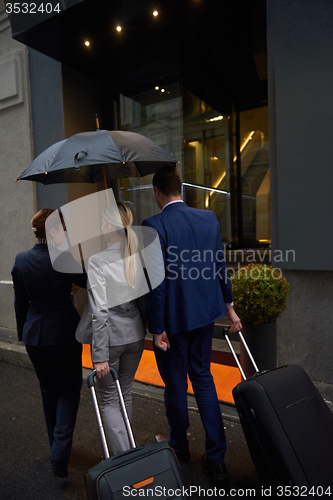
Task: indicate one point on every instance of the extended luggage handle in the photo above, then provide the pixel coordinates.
(225, 333)
(91, 385)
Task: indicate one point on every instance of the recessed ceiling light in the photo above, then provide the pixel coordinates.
(162, 90)
(157, 87)
(155, 13)
(87, 43)
(118, 28)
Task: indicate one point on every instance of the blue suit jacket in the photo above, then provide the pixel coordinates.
(44, 311)
(196, 285)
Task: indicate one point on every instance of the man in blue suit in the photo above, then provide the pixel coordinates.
(196, 291)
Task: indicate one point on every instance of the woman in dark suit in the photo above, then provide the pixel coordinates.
(46, 322)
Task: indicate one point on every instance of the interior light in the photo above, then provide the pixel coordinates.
(220, 179)
(157, 87)
(215, 119)
(162, 90)
(155, 13)
(118, 29)
(87, 43)
(245, 142)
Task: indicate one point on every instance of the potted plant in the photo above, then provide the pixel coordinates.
(260, 294)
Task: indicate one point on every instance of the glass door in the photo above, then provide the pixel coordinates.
(206, 161)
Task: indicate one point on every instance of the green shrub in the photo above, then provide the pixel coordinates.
(260, 293)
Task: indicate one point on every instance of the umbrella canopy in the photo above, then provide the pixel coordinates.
(94, 156)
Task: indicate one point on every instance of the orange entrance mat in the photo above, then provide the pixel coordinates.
(225, 377)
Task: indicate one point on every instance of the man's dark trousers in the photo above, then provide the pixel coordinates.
(59, 371)
(190, 353)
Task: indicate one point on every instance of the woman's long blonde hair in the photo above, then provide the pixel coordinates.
(121, 218)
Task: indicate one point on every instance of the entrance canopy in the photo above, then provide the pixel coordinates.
(129, 42)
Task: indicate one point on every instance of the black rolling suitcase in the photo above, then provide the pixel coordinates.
(152, 467)
(288, 428)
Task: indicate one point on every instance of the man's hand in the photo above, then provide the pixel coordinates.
(161, 341)
(236, 324)
(102, 369)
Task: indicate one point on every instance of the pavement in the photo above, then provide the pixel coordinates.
(25, 469)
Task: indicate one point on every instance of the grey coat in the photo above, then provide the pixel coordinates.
(111, 317)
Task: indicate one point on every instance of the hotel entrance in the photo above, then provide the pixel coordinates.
(191, 76)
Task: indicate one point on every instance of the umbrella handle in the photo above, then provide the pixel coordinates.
(97, 122)
(106, 186)
(81, 257)
(77, 167)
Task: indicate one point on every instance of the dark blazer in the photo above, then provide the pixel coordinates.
(44, 311)
(196, 285)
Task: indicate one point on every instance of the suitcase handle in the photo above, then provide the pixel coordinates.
(91, 376)
(91, 385)
(225, 333)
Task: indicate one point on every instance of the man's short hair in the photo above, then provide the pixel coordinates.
(167, 180)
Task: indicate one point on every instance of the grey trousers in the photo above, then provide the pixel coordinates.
(125, 359)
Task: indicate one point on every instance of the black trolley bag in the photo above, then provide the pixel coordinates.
(153, 466)
(288, 428)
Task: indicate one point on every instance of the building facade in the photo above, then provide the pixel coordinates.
(236, 91)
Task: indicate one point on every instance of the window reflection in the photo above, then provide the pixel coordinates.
(159, 116)
(255, 175)
(206, 160)
(202, 140)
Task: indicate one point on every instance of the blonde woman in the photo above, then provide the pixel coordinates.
(115, 275)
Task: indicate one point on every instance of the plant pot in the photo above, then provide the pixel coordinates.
(261, 340)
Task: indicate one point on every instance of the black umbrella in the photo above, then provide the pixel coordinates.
(97, 156)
